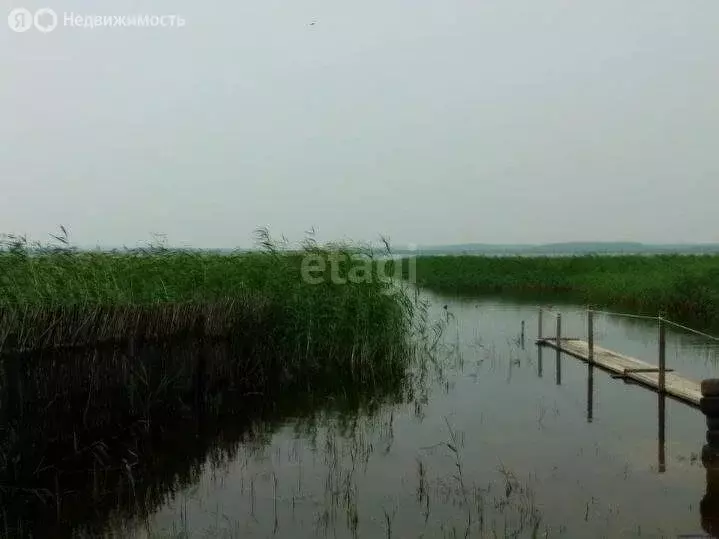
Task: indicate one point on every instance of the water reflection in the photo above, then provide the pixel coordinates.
(590, 393)
(662, 444)
(709, 505)
(81, 473)
(558, 362)
(300, 470)
(661, 416)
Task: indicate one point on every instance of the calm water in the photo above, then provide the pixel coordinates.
(496, 445)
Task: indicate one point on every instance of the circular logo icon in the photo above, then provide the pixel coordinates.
(45, 20)
(20, 20)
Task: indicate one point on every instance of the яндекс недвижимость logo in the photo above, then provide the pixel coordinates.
(45, 20)
(21, 20)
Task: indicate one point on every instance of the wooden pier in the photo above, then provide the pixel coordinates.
(664, 381)
(655, 377)
(630, 369)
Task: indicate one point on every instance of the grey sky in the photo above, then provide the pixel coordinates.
(428, 121)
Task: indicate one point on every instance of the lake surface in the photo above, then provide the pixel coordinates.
(490, 444)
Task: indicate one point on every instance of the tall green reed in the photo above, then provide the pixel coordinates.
(682, 286)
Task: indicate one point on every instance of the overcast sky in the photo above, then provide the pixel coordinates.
(441, 121)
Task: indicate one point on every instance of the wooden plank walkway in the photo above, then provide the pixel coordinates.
(687, 391)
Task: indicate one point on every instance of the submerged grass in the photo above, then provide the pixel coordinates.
(683, 287)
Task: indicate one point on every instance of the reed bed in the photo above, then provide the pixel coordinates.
(59, 297)
(683, 287)
(100, 351)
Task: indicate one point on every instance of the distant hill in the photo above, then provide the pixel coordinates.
(567, 248)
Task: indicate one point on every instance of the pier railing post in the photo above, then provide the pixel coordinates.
(539, 324)
(559, 350)
(662, 354)
(559, 328)
(590, 335)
